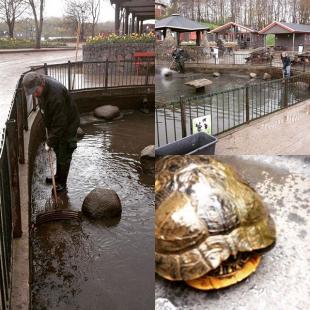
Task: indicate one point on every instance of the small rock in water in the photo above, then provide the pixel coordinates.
(253, 75)
(147, 158)
(165, 72)
(108, 112)
(102, 203)
(216, 74)
(266, 76)
(80, 132)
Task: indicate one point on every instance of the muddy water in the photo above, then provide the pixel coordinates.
(96, 264)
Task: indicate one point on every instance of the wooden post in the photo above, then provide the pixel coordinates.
(20, 131)
(247, 104)
(183, 116)
(14, 178)
(126, 22)
(133, 23)
(293, 41)
(116, 19)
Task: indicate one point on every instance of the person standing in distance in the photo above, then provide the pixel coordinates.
(61, 119)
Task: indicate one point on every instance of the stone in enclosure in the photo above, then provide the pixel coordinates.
(147, 159)
(102, 203)
(80, 133)
(199, 84)
(253, 75)
(266, 76)
(302, 85)
(166, 72)
(216, 74)
(108, 112)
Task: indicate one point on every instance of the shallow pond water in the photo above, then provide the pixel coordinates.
(96, 264)
(225, 102)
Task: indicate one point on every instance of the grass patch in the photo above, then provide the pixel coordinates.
(7, 43)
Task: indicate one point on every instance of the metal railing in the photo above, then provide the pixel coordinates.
(228, 109)
(102, 74)
(75, 76)
(10, 217)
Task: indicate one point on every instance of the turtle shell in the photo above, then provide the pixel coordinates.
(204, 214)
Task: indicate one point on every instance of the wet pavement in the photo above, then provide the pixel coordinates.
(283, 133)
(98, 264)
(281, 280)
(12, 65)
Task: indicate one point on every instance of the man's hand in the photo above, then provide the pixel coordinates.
(47, 148)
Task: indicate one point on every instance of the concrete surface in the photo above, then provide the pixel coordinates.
(286, 132)
(12, 65)
(281, 281)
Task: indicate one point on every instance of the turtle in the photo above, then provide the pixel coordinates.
(211, 226)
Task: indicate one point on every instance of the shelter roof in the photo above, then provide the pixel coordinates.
(228, 25)
(179, 23)
(143, 9)
(285, 27)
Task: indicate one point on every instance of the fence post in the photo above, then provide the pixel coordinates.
(14, 178)
(147, 73)
(45, 68)
(183, 116)
(23, 102)
(69, 75)
(106, 73)
(247, 104)
(20, 130)
(285, 103)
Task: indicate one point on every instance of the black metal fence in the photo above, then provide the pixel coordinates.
(228, 109)
(102, 74)
(10, 217)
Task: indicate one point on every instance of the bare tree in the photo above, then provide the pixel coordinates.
(78, 11)
(38, 18)
(95, 11)
(10, 10)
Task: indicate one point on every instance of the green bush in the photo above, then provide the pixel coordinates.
(8, 43)
(131, 38)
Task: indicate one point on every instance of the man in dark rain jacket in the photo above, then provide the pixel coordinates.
(61, 119)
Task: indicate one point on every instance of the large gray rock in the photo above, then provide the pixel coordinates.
(216, 74)
(102, 203)
(107, 112)
(253, 75)
(266, 76)
(147, 159)
(80, 133)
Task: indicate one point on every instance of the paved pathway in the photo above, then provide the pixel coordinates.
(12, 65)
(286, 132)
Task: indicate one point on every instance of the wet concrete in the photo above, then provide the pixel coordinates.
(12, 65)
(281, 280)
(98, 264)
(283, 133)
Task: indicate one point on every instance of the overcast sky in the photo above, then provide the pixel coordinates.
(57, 8)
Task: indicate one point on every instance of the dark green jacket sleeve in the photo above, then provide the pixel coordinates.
(58, 123)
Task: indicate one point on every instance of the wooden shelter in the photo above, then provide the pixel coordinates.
(244, 36)
(179, 24)
(131, 14)
(289, 36)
